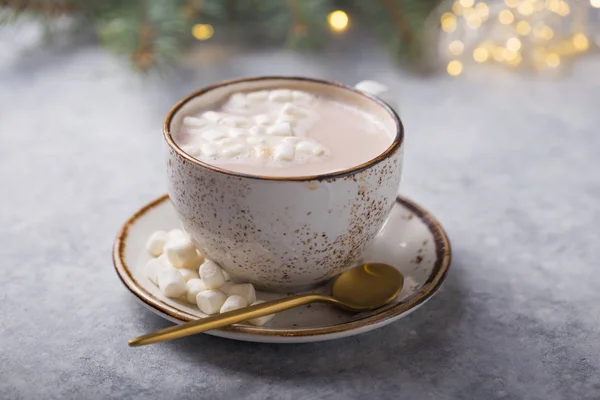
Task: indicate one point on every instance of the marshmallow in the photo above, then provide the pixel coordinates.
(280, 129)
(284, 151)
(244, 290)
(225, 275)
(255, 140)
(257, 97)
(238, 100)
(194, 286)
(294, 111)
(188, 274)
(235, 121)
(152, 268)
(233, 302)
(260, 321)
(261, 151)
(212, 116)
(192, 150)
(233, 150)
(308, 147)
(195, 122)
(181, 253)
(175, 233)
(165, 261)
(209, 150)
(171, 283)
(263, 119)
(237, 132)
(210, 301)
(213, 134)
(301, 96)
(286, 119)
(156, 242)
(280, 95)
(257, 130)
(212, 275)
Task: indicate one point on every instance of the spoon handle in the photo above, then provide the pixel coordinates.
(229, 318)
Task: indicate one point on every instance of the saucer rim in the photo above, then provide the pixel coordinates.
(432, 284)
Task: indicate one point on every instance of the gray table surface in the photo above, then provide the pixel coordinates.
(509, 164)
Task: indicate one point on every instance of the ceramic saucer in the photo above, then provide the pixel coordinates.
(412, 240)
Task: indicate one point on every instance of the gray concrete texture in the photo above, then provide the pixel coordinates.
(508, 163)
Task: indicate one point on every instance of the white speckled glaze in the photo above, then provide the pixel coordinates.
(282, 234)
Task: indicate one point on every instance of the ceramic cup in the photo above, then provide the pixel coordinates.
(283, 234)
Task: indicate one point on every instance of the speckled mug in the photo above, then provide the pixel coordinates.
(282, 234)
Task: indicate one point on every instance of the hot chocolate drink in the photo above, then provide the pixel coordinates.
(283, 132)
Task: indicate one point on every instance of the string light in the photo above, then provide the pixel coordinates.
(515, 61)
(523, 28)
(338, 20)
(553, 60)
(203, 31)
(580, 41)
(481, 54)
(457, 8)
(506, 17)
(456, 47)
(473, 21)
(513, 44)
(528, 33)
(543, 32)
(525, 8)
(553, 5)
(498, 53)
(483, 11)
(563, 9)
(454, 68)
(509, 55)
(448, 21)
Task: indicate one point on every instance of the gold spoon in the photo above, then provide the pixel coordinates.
(364, 287)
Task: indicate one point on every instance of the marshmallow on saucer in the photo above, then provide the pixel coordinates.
(210, 301)
(156, 242)
(260, 321)
(233, 302)
(194, 286)
(181, 252)
(188, 274)
(244, 290)
(212, 275)
(152, 268)
(171, 282)
(175, 233)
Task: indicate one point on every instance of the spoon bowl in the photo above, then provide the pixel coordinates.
(367, 287)
(364, 287)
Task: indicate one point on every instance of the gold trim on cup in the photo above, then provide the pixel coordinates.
(391, 150)
(432, 284)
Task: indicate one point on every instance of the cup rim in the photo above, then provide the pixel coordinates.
(396, 143)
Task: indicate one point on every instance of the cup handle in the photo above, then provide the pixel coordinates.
(379, 90)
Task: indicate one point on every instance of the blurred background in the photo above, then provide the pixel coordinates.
(499, 100)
